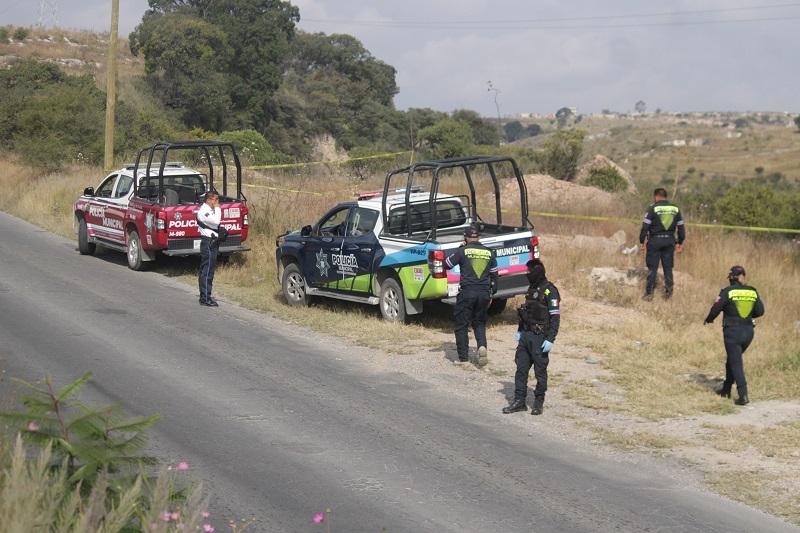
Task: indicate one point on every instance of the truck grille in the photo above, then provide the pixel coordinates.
(188, 244)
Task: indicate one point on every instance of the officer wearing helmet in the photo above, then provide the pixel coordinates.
(739, 304)
(478, 270)
(539, 319)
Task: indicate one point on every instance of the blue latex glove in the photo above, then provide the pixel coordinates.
(517, 336)
(547, 346)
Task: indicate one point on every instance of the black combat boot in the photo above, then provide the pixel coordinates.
(538, 409)
(722, 391)
(742, 400)
(513, 407)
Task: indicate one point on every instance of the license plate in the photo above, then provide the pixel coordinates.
(197, 244)
(232, 212)
(452, 289)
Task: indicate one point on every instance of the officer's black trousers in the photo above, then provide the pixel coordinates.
(660, 250)
(470, 309)
(529, 353)
(737, 339)
(208, 262)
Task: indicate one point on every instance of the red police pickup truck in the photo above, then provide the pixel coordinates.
(146, 210)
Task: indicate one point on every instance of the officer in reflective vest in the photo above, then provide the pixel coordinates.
(539, 319)
(478, 270)
(658, 229)
(739, 305)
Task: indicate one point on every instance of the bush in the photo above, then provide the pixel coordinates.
(3, 35)
(607, 179)
(447, 138)
(753, 204)
(252, 147)
(20, 34)
(561, 154)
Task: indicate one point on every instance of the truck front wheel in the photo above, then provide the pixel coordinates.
(84, 246)
(134, 251)
(293, 284)
(392, 301)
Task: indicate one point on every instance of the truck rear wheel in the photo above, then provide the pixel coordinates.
(84, 246)
(497, 306)
(293, 284)
(134, 251)
(392, 301)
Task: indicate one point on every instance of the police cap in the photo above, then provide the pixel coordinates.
(472, 232)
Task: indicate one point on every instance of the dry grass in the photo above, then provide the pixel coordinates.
(781, 441)
(648, 347)
(772, 493)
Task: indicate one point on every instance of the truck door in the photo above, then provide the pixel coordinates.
(360, 243)
(105, 217)
(320, 248)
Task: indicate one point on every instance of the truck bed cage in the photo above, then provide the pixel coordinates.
(436, 166)
(206, 147)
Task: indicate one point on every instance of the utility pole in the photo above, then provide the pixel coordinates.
(496, 92)
(111, 85)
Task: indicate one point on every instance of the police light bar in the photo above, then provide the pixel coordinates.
(374, 194)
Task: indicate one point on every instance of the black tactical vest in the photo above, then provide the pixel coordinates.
(533, 314)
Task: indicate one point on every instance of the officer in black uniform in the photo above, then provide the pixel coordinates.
(739, 304)
(478, 266)
(660, 222)
(539, 319)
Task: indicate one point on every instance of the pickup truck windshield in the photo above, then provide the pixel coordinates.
(449, 213)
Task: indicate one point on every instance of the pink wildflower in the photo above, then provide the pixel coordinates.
(165, 516)
(33, 426)
(319, 518)
(208, 528)
(183, 466)
(205, 514)
(175, 516)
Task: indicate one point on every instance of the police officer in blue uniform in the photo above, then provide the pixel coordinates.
(739, 304)
(660, 223)
(478, 270)
(539, 320)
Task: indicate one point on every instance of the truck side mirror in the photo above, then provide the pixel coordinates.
(88, 191)
(306, 231)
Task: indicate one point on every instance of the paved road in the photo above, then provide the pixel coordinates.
(280, 424)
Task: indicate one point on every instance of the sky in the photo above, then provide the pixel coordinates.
(540, 55)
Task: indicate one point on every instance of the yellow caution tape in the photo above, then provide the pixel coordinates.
(281, 189)
(344, 161)
(637, 221)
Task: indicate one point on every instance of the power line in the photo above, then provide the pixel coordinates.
(517, 23)
(574, 27)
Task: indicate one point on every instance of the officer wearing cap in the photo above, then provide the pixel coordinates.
(739, 304)
(478, 269)
(658, 228)
(539, 319)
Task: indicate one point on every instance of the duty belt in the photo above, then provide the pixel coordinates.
(736, 321)
(538, 329)
(661, 235)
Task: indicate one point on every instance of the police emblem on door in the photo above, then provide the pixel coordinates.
(322, 264)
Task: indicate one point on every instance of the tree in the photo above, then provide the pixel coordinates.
(514, 131)
(245, 67)
(484, 131)
(797, 122)
(640, 107)
(533, 130)
(447, 138)
(562, 152)
(562, 116)
(3, 35)
(754, 204)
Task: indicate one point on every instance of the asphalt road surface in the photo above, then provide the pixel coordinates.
(280, 423)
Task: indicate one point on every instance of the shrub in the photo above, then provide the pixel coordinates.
(752, 204)
(606, 178)
(447, 138)
(253, 148)
(561, 153)
(20, 34)
(3, 35)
